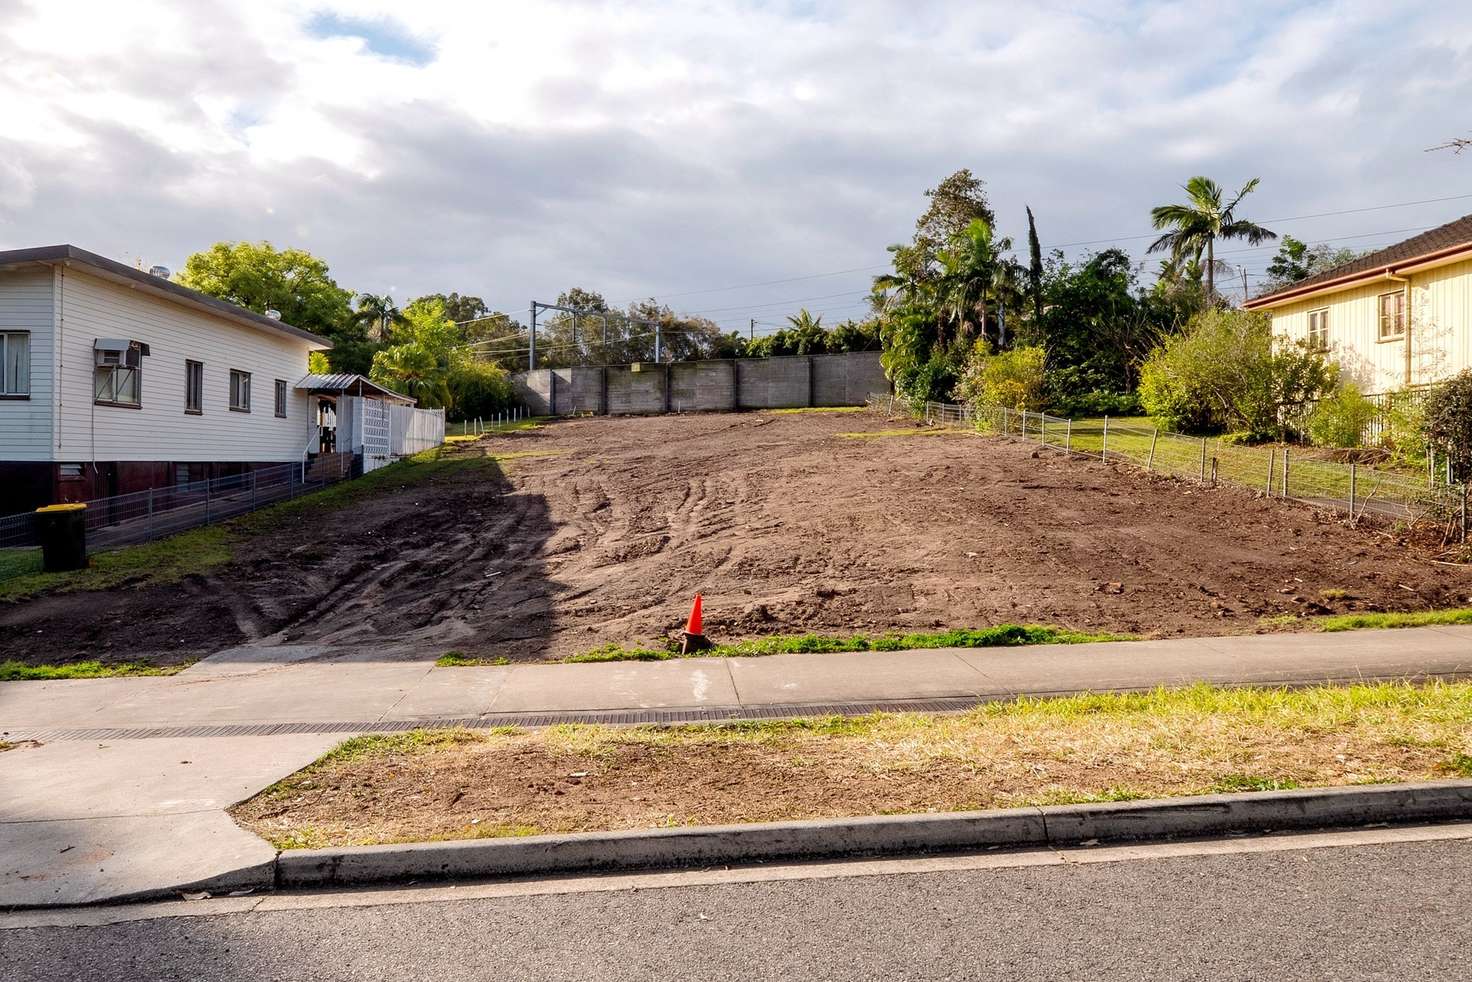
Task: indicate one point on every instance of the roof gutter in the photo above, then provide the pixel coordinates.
(1388, 271)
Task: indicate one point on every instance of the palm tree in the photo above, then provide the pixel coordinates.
(377, 313)
(972, 274)
(1195, 226)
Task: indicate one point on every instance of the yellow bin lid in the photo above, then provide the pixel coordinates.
(68, 506)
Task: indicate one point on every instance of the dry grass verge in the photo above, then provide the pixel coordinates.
(457, 784)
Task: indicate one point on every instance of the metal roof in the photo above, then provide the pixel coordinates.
(66, 255)
(344, 381)
(1446, 237)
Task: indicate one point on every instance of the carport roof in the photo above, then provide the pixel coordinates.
(349, 383)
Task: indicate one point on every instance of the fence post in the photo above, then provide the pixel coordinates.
(1272, 459)
(207, 483)
(150, 513)
(1150, 460)
(1285, 472)
(1464, 511)
(1043, 431)
(1104, 448)
(1203, 460)
(1068, 437)
(1353, 478)
(253, 489)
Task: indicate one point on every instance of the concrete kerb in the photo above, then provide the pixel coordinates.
(1018, 828)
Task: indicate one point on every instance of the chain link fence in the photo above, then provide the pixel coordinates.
(1277, 471)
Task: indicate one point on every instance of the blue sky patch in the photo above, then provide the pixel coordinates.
(382, 37)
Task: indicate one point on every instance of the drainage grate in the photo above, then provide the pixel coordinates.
(621, 717)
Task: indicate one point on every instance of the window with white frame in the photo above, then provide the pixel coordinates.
(281, 398)
(1318, 329)
(15, 364)
(1392, 315)
(117, 374)
(239, 391)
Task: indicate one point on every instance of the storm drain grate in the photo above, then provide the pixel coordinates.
(623, 717)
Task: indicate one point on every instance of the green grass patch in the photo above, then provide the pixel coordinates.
(459, 659)
(1001, 636)
(19, 562)
(1417, 618)
(908, 431)
(16, 671)
(798, 410)
(1459, 764)
(1238, 783)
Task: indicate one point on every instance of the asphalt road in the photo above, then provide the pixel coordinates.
(1382, 911)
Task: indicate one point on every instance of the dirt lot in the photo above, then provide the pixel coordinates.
(600, 530)
(455, 784)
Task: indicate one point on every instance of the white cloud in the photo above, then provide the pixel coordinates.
(638, 148)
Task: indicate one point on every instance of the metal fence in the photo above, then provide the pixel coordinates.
(127, 519)
(1278, 471)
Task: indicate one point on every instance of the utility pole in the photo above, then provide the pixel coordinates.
(1244, 283)
(531, 358)
(751, 330)
(658, 354)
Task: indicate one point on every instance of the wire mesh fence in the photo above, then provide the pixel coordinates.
(141, 516)
(1277, 471)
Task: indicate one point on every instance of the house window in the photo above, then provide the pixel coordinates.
(194, 387)
(15, 364)
(281, 398)
(1318, 329)
(239, 391)
(1392, 316)
(117, 375)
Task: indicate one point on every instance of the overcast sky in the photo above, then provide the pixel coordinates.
(688, 151)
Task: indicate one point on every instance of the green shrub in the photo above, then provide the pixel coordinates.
(1013, 379)
(1226, 372)
(1404, 433)
(1448, 425)
(478, 388)
(1341, 417)
(1098, 404)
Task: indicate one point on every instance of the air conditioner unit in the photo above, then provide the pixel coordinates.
(118, 351)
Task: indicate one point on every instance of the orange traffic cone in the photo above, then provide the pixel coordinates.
(694, 640)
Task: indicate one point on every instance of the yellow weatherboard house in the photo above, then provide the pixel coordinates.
(1398, 318)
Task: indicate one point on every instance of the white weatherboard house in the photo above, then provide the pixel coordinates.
(116, 380)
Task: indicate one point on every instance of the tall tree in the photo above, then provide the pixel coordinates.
(1195, 227)
(378, 314)
(1034, 267)
(1297, 260)
(971, 276)
(257, 276)
(955, 203)
(459, 309)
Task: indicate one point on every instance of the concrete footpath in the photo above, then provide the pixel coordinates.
(124, 788)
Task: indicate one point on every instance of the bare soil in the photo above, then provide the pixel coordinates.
(585, 779)
(599, 530)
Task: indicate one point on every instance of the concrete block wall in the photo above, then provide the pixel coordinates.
(705, 386)
(636, 392)
(702, 386)
(847, 379)
(578, 390)
(534, 390)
